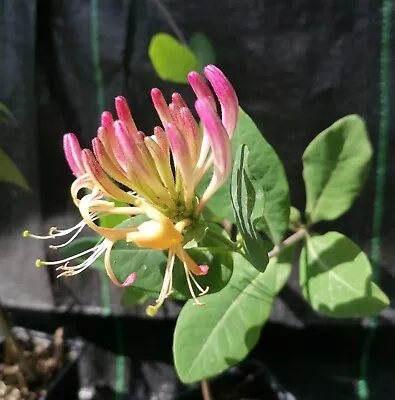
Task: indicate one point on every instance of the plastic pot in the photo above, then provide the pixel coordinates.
(65, 384)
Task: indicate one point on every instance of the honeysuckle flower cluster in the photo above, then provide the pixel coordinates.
(155, 176)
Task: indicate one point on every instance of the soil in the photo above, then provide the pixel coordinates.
(248, 382)
(29, 364)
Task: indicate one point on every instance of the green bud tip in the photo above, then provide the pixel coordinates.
(151, 311)
(26, 233)
(38, 263)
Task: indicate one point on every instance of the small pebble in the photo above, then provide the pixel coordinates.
(3, 388)
(15, 394)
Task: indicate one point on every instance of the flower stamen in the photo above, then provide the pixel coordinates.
(98, 248)
(188, 275)
(201, 290)
(168, 279)
(167, 286)
(54, 232)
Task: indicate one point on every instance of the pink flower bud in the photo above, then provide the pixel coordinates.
(73, 153)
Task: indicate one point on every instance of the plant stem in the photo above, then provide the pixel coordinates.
(289, 241)
(206, 394)
(171, 21)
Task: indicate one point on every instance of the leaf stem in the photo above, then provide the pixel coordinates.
(171, 21)
(222, 239)
(206, 394)
(289, 241)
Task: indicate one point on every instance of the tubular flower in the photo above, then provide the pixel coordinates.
(155, 176)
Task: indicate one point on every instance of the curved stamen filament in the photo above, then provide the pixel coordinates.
(58, 246)
(74, 270)
(66, 260)
(167, 286)
(63, 232)
(201, 290)
(188, 276)
(55, 232)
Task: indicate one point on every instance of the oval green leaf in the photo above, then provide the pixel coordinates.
(171, 59)
(201, 45)
(335, 167)
(233, 319)
(6, 116)
(267, 171)
(10, 173)
(283, 266)
(336, 278)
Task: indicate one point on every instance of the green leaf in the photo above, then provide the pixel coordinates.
(6, 116)
(216, 236)
(267, 171)
(201, 45)
(150, 268)
(335, 167)
(148, 264)
(171, 59)
(209, 339)
(112, 220)
(194, 236)
(282, 264)
(10, 173)
(136, 296)
(336, 278)
(248, 202)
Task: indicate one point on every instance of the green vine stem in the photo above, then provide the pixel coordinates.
(289, 241)
(300, 234)
(171, 21)
(206, 393)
